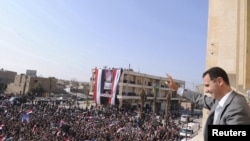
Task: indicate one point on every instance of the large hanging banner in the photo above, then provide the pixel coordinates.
(105, 85)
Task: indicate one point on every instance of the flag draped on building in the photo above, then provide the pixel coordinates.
(97, 85)
(116, 77)
(105, 85)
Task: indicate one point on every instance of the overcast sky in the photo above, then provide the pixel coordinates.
(67, 38)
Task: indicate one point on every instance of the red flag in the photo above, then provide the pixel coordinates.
(29, 111)
(97, 85)
(1, 126)
(116, 73)
(119, 129)
(2, 138)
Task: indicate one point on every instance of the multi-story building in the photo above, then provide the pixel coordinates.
(131, 84)
(24, 84)
(7, 77)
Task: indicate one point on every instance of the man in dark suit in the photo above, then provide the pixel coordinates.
(226, 106)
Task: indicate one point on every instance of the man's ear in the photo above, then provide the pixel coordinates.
(220, 80)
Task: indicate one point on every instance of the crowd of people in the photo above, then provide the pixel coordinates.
(52, 122)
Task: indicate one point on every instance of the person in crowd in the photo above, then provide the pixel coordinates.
(52, 122)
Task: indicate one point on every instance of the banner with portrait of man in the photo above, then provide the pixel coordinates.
(105, 86)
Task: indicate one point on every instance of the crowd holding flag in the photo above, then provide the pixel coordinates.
(25, 117)
(29, 111)
(2, 137)
(1, 126)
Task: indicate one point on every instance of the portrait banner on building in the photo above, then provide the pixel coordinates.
(105, 85)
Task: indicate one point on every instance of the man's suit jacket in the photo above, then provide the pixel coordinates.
(235, 110)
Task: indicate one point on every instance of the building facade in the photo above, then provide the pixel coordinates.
(131, 84)
(24, 84)
(7, 77)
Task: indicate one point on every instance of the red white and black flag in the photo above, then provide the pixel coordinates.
(105, 86)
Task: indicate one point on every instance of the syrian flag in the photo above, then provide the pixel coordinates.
(3, 137)
(34, 129)
(105, 90)
(61, 123)
(29, 111)
(58, 133)
(97, 86)
(1, 126)
(116, 78)
(112, 124)
(119, 129)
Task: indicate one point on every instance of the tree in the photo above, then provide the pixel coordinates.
(155, 93)
(3, 87)
(143, 98)
(86, 91)
(168, 96)
(50, 85)
(38, 90)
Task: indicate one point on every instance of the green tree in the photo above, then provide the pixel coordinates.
(38, 90)
(3, 87)
(143, 98)
(168, 96)
(155, 93)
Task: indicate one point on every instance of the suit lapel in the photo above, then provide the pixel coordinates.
(228, 101)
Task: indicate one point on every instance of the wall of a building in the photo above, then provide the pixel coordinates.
(23, 84)
(228, 43)
(17, 86)
(7, 77)
(49, 84)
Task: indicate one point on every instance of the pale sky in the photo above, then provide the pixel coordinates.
(67, 38)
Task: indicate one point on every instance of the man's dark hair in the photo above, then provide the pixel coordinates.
(216, 72)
